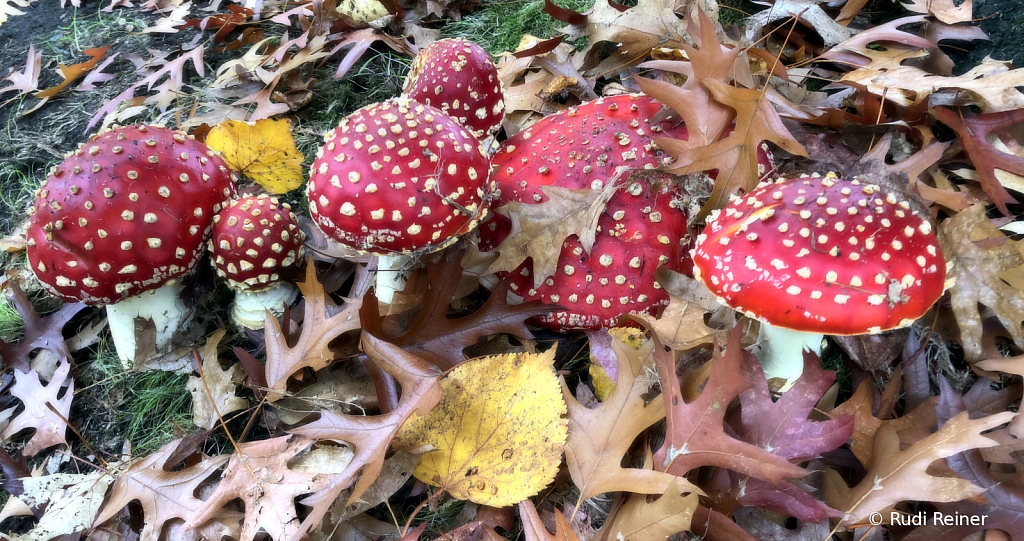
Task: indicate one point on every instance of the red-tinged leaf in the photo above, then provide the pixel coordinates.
(40, 332)
(440, 340)
(224, 23)
(696, 431)
(783, 428)
(785, 498)
(714, 526)
(26, 80)
(974, 132)
(97, 76)
(370, 437)
(565, 15)
(534, 529)
(74, 71)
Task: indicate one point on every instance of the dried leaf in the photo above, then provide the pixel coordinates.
(167, 495)
(911, 427)
(600, 437)
(73, 72)
(71, 501)
(172, 22)
(537, 227)
(497, 434)
(215, 381)
(896, 475)
(991, 90)
(40, 332)
(262, 474)
(312, 348)
(696, 431)
(643, 520)
(636, 30)
(980, 253)
(735, 156)
(9, 8)
(50, 425)
(533, 527)
(263, 151)
(27, 80)
(974, 135)
(370, 437)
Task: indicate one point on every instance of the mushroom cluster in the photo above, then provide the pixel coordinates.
(125, 214)
(458, 77)
(820, 255)
(256, 240)
(398, 178)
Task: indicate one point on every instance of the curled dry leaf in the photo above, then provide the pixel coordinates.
(498, 433)
(215, 381)
(640, 519)
(263, 151)
(980, 254)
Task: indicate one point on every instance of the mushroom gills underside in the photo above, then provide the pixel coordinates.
(250, 307)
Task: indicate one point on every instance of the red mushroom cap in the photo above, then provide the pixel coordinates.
(458, 77)
(398, 177)
(255, 238)
(125, 213)
(644, 227)
(823, 254)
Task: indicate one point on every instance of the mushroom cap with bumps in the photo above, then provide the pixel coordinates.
(125, 213)
(398, 177)
(823, 255)
(458, 77)
(255, 239)
(643, 227)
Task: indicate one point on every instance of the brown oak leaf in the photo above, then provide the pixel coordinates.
(600, 437)
(322, 323)
(896, 475)
(50, 424)
(640, 519)
(216, 382)
(534, 529)
(167, 495)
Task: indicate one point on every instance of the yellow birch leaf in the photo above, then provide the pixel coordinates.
(263, 151)
(498, 433)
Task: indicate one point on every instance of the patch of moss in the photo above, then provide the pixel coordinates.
(498, 26)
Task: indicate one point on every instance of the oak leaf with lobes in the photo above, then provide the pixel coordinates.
(600, 437)
(696, 431)
(498, 433)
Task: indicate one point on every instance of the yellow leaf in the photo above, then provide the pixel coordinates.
(498, 433)
(603, 384)
(264, 151)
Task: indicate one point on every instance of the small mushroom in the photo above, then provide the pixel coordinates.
(820, 255)
(458, 77)
(127, 213)
(256, 240)
(398, 179)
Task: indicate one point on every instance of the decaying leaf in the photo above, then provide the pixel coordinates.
(263, 151)
(215, 381)
(73, 72)
(681, 324)
(896, 475)
(71, 501)
(808, 11)
(600, 437)
(50, 425)
(498, 432)
(27, 80)
(538, 227)
(980, 253)
(642, 520)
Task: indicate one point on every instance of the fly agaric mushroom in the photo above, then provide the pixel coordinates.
(458, 77)
(644, 226)
(125, 214)
(585, 147)
(256, 239)
(820, 255)
(398, 179)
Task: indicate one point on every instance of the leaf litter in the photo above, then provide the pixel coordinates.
(676, 424)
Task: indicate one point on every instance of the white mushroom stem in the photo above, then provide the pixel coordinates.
(161, 305)
(250, 307)
(391, 276)
(781, 352)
